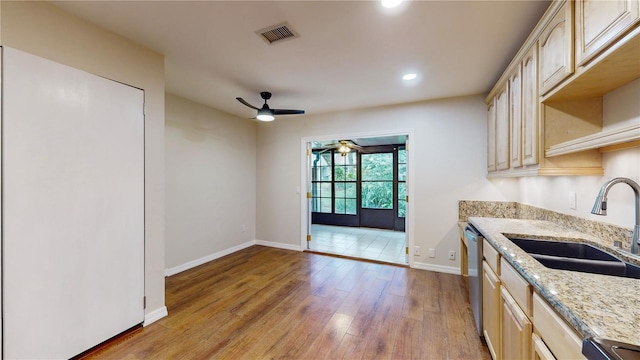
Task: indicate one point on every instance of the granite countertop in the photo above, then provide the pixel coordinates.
(595, 305)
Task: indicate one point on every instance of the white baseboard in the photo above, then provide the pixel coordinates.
(154, 316)
(437, 268)
(278, 245)
(206, 259)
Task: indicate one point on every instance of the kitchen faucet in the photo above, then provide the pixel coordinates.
(600, 207)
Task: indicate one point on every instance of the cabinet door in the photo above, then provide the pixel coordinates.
(515, 117)
(530, 107)
(502, 129)
(540, 350)
(599, 23)
(556, 48)
(491, 137)
(515, 332)
(491, 310)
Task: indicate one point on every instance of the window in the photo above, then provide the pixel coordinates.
(321, 182)
(377, 181)
(345, 180)
(402, 182)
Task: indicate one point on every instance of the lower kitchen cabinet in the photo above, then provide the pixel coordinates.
(540, 349)
(515, 329)
(518, 323)
(491, 310)
(559, 337)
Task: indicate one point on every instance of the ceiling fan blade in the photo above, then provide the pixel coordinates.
(287, 112)
(246, 103)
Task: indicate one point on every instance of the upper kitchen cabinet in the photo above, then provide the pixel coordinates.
(515, 117)
(556, 48)
(529, 104)
(556, 106)
(600, 23)
(491, 137)
(502, 129)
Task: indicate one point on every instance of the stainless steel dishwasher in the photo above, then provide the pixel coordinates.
(474, 262)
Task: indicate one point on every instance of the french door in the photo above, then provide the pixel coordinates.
(360, 189)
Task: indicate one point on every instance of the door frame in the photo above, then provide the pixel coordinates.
(305, 181)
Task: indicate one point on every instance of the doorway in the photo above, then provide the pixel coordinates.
(357, 197)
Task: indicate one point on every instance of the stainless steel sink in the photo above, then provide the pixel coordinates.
(576, 257)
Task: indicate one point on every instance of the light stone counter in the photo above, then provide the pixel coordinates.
(595, 305)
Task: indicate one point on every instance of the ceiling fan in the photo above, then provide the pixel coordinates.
(343, 147)
(267, 114)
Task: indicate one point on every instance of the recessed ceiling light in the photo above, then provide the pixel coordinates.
(391, 3)
(408, 77)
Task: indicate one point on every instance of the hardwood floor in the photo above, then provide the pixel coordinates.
(266, 303)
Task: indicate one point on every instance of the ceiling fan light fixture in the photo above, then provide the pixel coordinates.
(265, 115)
(344, 149)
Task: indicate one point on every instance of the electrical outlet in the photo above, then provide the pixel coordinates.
(452, 255)
(416, 250)
(572, 200)
(243, 228)
(432, 253)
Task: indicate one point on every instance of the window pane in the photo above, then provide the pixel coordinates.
(402, 196)
(325, 205)
(351, 173)
(402, 209)
(340, 207)
(340, 175)
(325, 159)
(315, 204)
(325, 189)
(351, 206)
(351, 158)
(377, 166)
(350, 190)
(402, 172)
(377, 195)
(339, 190)
(402, 156)
(326, 173)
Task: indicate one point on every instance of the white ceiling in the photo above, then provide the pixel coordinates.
(350, 54)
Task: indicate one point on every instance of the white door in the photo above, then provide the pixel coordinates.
(73, 208)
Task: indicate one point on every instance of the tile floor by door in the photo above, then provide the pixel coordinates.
(366, 243)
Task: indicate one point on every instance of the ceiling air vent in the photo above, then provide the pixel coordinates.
(277, 33)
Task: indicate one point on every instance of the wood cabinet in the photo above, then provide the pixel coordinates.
(556, 48)
(556, 126)
(515, 117)
(517, 322)
(502, 129)
(540, 351)
(491, 137)
(530, 120)
(559, 337)
(599, 23)
(515, 329)
(491, 310)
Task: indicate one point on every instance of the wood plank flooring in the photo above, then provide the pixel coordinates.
(266, 303)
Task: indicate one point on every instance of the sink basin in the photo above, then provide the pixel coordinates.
(576, 257)
(603, 349)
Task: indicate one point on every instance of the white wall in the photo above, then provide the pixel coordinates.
(449, 153)
(210, 162)
(44, 30)
(620, 107)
